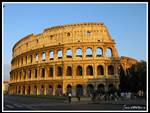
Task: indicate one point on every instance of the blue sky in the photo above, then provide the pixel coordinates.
(126, 24)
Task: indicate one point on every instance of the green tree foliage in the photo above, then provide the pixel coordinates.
(134, 79)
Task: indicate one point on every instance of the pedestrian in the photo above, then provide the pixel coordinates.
(69, 97)
(78, 96)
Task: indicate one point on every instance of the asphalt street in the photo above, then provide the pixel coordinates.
(25, 103)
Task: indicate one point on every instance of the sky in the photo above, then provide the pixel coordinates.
(126, 23)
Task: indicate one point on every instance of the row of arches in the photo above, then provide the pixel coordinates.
(78, 90)
(59, 72)
(69, 54)
(79, 53)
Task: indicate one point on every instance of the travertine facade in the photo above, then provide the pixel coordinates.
(76, 57)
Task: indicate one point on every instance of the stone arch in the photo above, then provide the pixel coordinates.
(69, 53)
(79, 89)
(43, 73)
(78, 52)
(23, 90)
(51, 55)
(50, 90)
(99, 52)
(69, 71)
(69, 88)
(60, 54)
(101, 88)
(100, 70)
(89, 52)
(59, 90)
(28, 90)
(109, 52)
(89, 70)
(42, 90)
(59, 71)
(43, 56)
(35, 90)
(110, 70)
(90, 89)
(79, 70)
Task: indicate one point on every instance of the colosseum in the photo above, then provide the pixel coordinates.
(76, 58)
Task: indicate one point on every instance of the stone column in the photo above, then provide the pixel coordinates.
(94, 51)
(73, 89)
(104, 52)
(84, 71)
(55, 54)
(47, 55)
(95, 70)
(74, 71)
(38, 89)
(84, 52)
(63, 88)
(31, 89)
(73, 53)
(54, 89)
(47, 72)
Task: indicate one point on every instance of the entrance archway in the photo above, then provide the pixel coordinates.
(50, 90)
(79, 90)
(59, 90)
(69, 88)
(42, 90)
(101, 88)
(23, 90)
(90, 89)
(35, 90)
(28, 90)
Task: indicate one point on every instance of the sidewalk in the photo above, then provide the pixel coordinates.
(118, 102)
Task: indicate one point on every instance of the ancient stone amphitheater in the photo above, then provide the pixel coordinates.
(77, 58)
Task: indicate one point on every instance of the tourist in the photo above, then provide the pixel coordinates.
(69, 97)
(78, 96)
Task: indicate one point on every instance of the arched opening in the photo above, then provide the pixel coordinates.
(69, 71)
(99, 52)
(79, 90)
(50, 90)
(35, 90)
(19, 91)
(110, 70)
(30, 58)
(28, 90)
(44, 56)
(42, 90)
(79, 52)
(100, 70)
(51, 72)
(69, 53)
(89, 70)
(35, 73)
(51, 55)
(79, 70)
(59, 90)
(59, 54)
(43, 72)
(59, 71)
(111, 89)
(89, 52)
(29, 74)
(23, 92)
(101, 88)
(69, 88)
(90, 89)
(109, 52)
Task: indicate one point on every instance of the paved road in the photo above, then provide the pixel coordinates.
(44, 103)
